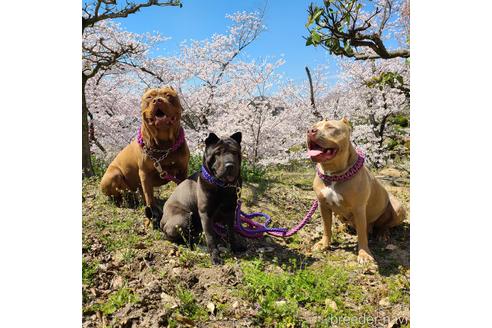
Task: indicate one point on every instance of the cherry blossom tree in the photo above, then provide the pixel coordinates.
(207, 65)
(373, 92)
(202, 72)
(255, 110)
(104, 47)
(114, 103)
(110, 56)
(224, 91)
(376, 87)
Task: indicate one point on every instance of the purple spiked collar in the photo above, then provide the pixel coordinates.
(359, 163)
(213, 180)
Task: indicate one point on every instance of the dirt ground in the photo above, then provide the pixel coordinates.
(133, 278)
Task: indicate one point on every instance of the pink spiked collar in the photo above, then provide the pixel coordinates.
(177, 144)
(359, 163)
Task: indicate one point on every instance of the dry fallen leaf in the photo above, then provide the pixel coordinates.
(384, 302)
(391, 247)
(184, 320)
(211, 307)
(331, 304)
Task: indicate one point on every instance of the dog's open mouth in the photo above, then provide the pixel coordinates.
(161, 118)
(318, 153)
(159, 113)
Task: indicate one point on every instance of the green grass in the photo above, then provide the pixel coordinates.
(89, 270)
(99, 166)
(189, 307)
(190, 258)
(273, 289)
(119, 232)
(281, 294)
(195, 163)
(398, 289)
(252, 173)
(116, 301)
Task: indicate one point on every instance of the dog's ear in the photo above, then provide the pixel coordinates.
(237, 136)
(211, 139)
(346, 121)
(172, 96)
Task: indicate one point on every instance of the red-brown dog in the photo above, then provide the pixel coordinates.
(161, 154)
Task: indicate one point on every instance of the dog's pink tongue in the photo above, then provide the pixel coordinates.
(314, 152)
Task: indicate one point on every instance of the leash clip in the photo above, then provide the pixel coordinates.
(238, 194)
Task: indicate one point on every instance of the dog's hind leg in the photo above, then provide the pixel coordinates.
(393, 215)
(176, 225)
(399, 213)
(113, 184)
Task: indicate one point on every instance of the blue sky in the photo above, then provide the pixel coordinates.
(199, 19)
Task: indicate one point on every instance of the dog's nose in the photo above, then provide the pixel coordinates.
(312, 131)
(229, 166)
(157, 100)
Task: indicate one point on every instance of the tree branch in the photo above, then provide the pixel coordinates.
(111, 12)
(313, 104)
(338, 29)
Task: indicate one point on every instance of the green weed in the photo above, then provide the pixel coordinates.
(99, 166)
(117, 300)
(89, 270)
(195, 163)
(398, 289)
(188, 305)
(189, 258)
(252, 173)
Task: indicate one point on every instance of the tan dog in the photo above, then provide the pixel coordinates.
(358, 198)
(145, 167)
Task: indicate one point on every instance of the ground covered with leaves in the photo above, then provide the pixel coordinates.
(131, 277)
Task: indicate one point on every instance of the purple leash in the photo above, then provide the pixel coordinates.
(246, 226)
(257, 230)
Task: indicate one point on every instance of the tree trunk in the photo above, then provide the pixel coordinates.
(87, 170)
(382, 126)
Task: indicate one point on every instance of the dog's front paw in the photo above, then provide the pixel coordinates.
(148, 212)
(364, 257)
(238, 248)
(153, 215)
(216, 259)
(321, 245)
